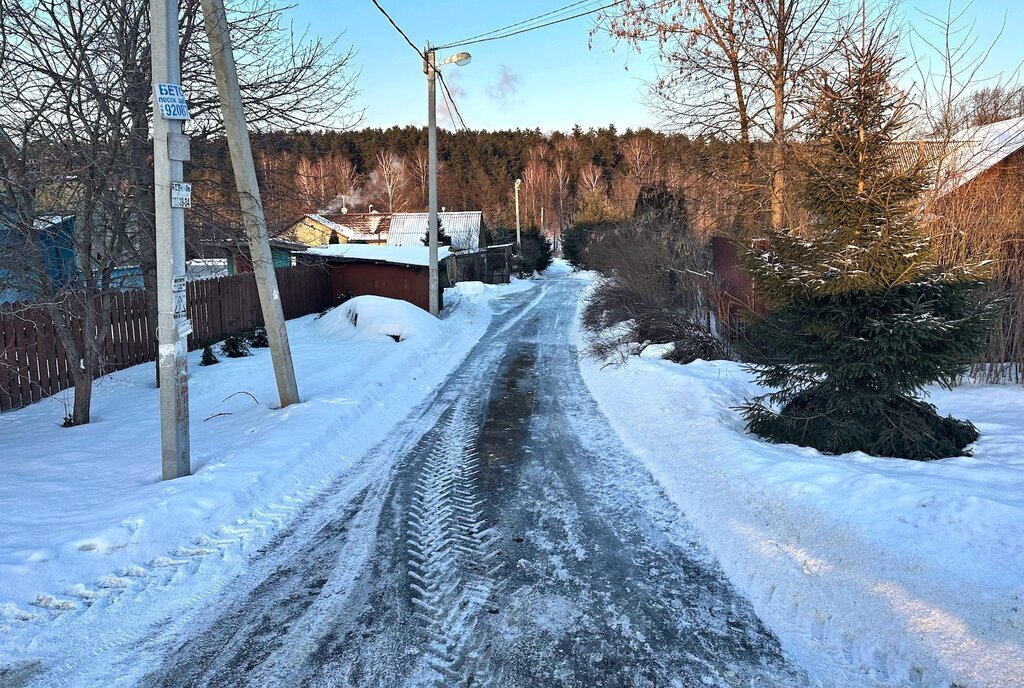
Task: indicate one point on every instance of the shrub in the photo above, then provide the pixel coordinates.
(234, 346)
(209, 358)
(256, 337)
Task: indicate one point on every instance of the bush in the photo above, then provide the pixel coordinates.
(655, 284)
(256, 337)
(209, 358)
(234, 346)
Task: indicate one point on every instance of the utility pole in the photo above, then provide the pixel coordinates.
(519, 238)
(249, 197)
(430, 68)
(170, 150)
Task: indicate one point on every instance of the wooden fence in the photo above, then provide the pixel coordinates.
(492, 265)
(33, 363)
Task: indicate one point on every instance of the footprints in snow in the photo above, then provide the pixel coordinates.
(161, 569)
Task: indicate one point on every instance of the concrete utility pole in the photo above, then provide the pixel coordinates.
(430, 66)
(519, 238)
(249, 197)
(170, 150)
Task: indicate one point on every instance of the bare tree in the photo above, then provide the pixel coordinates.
(391, 179)
(76, 90)
(734, 68)
(68, 88)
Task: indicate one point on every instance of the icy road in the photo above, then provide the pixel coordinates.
(502, 536)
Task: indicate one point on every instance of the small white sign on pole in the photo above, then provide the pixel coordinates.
(181, 195)
(178, 291)
(170, 100)
(184, 327)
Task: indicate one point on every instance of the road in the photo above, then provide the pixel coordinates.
(511, 541)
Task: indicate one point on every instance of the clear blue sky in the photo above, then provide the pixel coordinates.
(548, 79)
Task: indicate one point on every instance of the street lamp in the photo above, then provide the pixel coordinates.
(430, 66)
(519, 238)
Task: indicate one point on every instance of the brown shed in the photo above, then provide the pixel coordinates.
(397, 272)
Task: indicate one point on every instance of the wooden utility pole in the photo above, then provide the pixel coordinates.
(249, 197)
(170, 150)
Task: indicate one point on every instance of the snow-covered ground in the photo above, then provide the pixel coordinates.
(872, 571)
(83, 513)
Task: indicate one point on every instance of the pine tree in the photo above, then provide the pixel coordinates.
(442, 238)
(862, 316)
(209, 358)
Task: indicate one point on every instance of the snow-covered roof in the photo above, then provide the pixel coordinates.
(977, 149)
(462, 227)
(400, 255)
(344, 230)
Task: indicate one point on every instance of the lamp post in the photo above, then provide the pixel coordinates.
(519, 238)
(430, 66)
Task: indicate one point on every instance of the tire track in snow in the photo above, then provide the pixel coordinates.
(451, 555)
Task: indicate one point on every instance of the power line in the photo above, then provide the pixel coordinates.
(530, 28)
(450, 99)
(398, 28)
(520, 23)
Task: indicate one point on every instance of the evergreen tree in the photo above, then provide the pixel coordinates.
(209, 358)
(862, 316)
(442, 238)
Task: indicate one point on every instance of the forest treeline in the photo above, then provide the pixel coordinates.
(584, 175)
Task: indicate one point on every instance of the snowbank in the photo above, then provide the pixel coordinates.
(872, 572)
(84, 513)
(377, 317)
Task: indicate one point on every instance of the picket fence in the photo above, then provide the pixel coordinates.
(33, 363)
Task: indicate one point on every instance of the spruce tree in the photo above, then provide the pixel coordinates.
(861, 316)
(442, 237)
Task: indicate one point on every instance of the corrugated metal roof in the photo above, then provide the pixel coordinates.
(463, 227)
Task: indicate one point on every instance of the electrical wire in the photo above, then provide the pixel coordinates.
(397, 28)
(499, 37)
(450, 99)
(525, 21)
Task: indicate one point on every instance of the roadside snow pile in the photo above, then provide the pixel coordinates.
(84, 515)
(872, 572)
(377, 317)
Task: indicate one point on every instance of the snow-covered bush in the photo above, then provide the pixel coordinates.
(234, 346)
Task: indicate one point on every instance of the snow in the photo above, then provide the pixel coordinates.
(558, 267)
(85, 513)
(871, 571)
(376, 318)
(401, 255)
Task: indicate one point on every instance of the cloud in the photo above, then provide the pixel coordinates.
(507, 85)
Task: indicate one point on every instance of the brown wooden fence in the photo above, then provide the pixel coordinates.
(33, 363)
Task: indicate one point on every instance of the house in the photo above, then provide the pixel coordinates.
(465, 229)
(397, 272)
(345, 228)
(55, 239)
(969, 157)
(235, 254)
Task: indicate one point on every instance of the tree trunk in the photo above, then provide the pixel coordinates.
(81, 412)
(779, 158)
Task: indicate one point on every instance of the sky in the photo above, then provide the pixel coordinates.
(553, 78)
